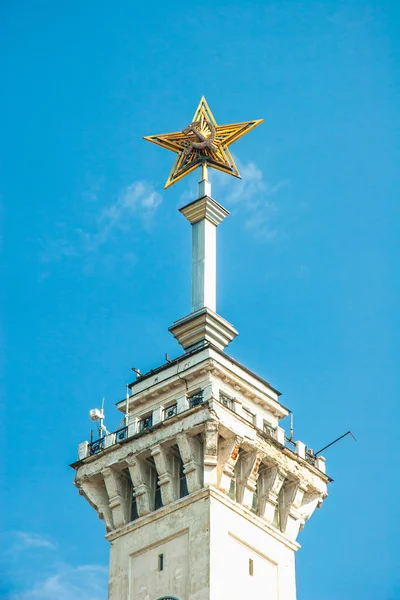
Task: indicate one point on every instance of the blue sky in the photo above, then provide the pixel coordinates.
(96, 258)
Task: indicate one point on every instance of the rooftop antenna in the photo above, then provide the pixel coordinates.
(127, 406)
(291, 427)
(167, 358)
(334, 442)
(97, 414)
(138, 373)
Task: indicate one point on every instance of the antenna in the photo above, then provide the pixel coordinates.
(138, 373)
(334, 442)
(127, 406)
(291, 427)
(167, 358)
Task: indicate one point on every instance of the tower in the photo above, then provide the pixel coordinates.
(201, 493)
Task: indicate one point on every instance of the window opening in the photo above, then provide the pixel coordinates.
(251, 567)
(161, 562)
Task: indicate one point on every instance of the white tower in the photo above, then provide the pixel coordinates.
(201, 493)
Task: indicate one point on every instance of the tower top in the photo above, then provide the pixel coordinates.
(202, 142)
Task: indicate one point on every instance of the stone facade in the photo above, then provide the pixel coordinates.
(201, 497)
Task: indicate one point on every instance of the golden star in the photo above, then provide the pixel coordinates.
(202, 141)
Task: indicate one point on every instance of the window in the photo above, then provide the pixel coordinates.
(170, 411)
(251, 567)
(161, 562)
(249, 416)
(226, 400)
(196, 398)
(145, 422)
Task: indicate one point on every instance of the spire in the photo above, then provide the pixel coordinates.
(203, 143)
(204, 324)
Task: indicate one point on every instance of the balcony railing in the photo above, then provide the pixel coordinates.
(196, 399)
(145, 423)
(170, 411)
(121, 434)
(96, 446)
(227, 400)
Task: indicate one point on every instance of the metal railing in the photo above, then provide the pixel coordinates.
(227, 400)
(145, 423)
(170, 411)
(121, 434)
(196, 399)
(96, 446)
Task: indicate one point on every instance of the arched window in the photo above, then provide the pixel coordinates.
(168, 598)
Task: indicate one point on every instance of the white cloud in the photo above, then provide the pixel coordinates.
(138, 199)
(85, 582)
(25, 539)
(33, 569)
(251, 196)
(136, 203)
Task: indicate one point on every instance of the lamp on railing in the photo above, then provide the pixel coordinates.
(97, 414)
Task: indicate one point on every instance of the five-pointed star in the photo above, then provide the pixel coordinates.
(202, 141)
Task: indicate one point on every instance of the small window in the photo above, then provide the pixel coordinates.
(249, 416)
(196, 398)
(145, 422)
(226, 400)
(170, 411)
(251, 567)
(161, 562)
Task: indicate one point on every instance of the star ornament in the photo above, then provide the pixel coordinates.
(202, 141)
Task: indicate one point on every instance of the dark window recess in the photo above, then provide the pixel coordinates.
(254, 503)
(196, 398)
(251, 567)
(183, 488)
(158, 503)
(232, 490)
(226, 400)
(145, 423)
(170, 411)
(134, 510)
(161, 562)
